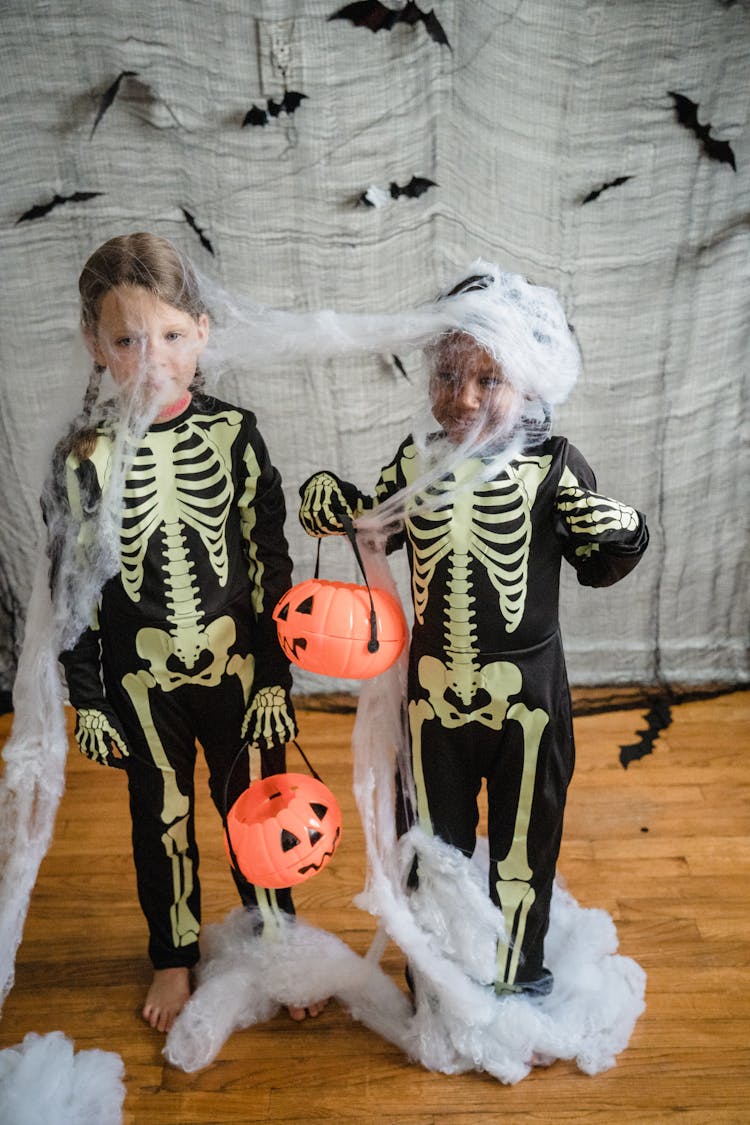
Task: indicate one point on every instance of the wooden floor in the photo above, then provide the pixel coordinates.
(663, 845)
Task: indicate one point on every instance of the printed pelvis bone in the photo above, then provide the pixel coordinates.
(495, 518)
(189, 652)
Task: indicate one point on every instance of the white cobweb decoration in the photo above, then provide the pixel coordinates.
(34, 776)
(456, 1022)
(33, 780)
(43, 1081)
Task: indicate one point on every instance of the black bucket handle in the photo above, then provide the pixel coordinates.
(373, 644)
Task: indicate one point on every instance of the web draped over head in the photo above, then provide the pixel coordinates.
(521, 330)
(520, 326)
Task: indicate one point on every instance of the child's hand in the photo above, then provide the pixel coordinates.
(324, 498)
(98, 737)
(269, 721)
(591, 517)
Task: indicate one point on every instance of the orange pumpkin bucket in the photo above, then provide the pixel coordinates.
(283, 829)
(339, 628)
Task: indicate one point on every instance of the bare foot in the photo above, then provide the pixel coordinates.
(538, 1059)
(311, 1010)
(167, 996)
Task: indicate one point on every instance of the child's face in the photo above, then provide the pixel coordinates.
(469, 393)
(148, 344)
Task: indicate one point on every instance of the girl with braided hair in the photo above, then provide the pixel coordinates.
(168, 556)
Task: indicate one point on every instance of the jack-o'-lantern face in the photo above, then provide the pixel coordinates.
(284, 829)
(325, 627)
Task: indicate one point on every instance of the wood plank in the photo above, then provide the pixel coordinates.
(662, 845)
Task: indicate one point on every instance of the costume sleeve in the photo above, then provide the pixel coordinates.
(262, 515)
(71, 495)
(391, 480)
(602, 538)
(82, 664)
(98, 732)
(393, 476)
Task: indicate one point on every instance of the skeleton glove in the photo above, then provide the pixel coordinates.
(591, 517)
(269, 720)
(99, 737)
(324, 497)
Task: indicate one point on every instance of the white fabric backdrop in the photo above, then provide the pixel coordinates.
(537, 103)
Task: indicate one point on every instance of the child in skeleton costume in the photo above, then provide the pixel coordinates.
(183, 646)
(487, 507)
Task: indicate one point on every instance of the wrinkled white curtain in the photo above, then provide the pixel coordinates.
(535, 105)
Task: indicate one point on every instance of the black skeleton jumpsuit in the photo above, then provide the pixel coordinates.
(488, 694)
(185, 641)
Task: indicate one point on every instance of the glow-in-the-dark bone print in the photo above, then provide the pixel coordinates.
(464, 689)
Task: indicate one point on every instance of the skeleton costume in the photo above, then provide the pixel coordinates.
(184, 646)
(488, 696)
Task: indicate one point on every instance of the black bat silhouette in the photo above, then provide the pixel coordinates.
(658, 718)
(109, 96)
(400, 367)
(42, 209)
(605, 187)
(376, 16)
(291, 101)
(257, 115)
(416, 186)
(190, 220)
(687, 115)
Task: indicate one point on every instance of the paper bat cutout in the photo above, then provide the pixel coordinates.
(376, 196)
(687, 115)
(190, 220)
(376, 16)
(658, 718)
(416, 186)
(400, 367)
(42, 209)
(605, 187)
(109, 96)
(257, 115)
